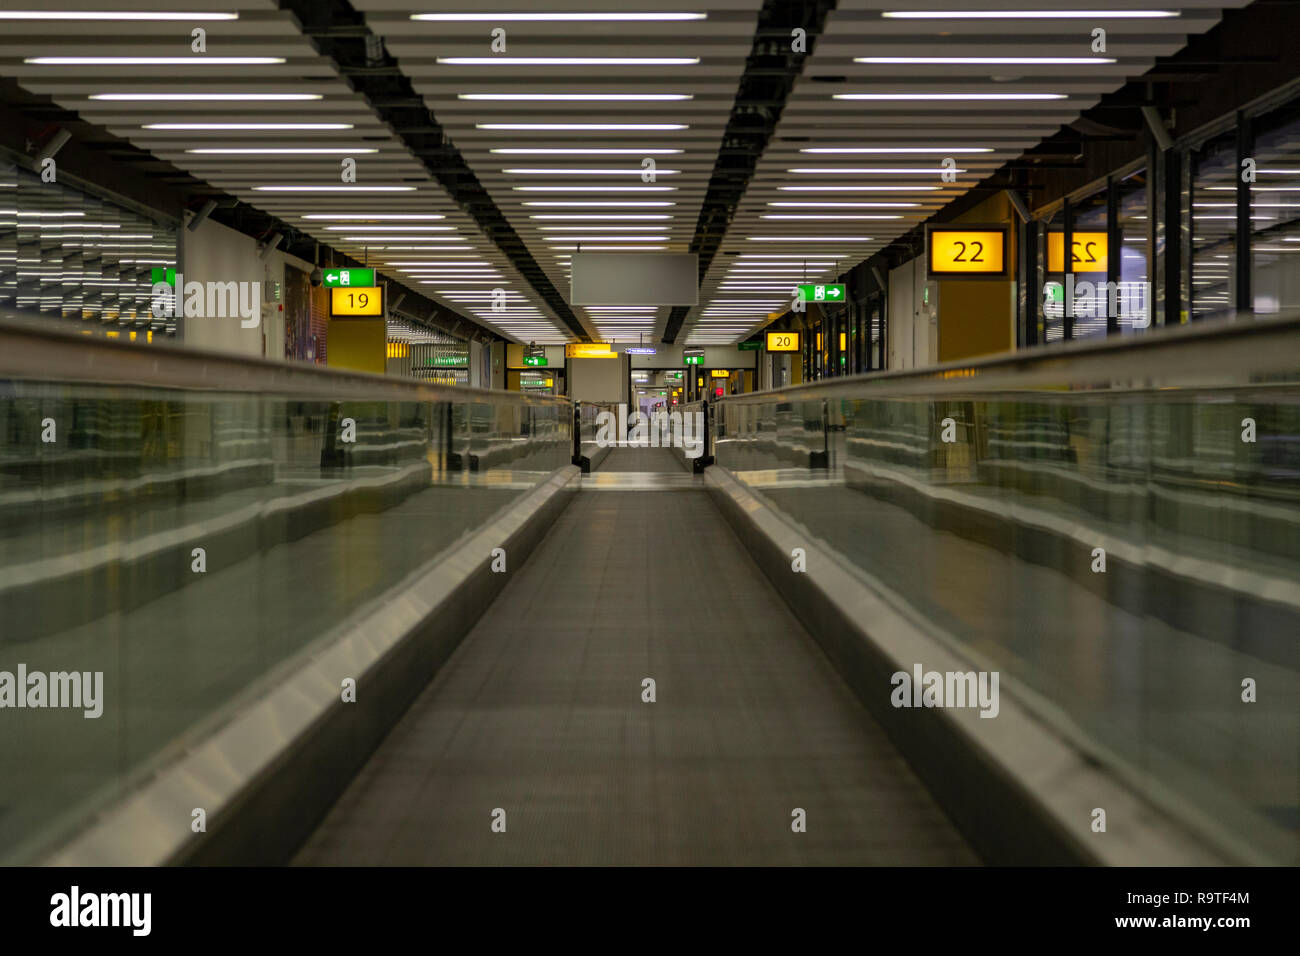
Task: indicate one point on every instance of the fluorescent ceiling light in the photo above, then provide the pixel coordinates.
(845, 205)
(604, 238)
(231, 126)
(884, 171)
(368, 238)
(950, 97)
(584, 127)
(660, 228)
(568, 60)
(1000, 60)
(531, 17)
(862, 189)
(585, 151)
(1026, 14)
(611, 248)
(204, 97)
(547, 171)
(594, 189)
(350, 188)
(281, 151)
(417, 248)
(620, 217)
(152, 60)
(549, 204)
(577, 97)
(899, 150)
(395, 229)
(826, 216)
(368, 216)
(112, 15)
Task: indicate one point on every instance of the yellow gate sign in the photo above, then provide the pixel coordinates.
(966, 252)
(356, 300)
(783, 341)
(1090, 251)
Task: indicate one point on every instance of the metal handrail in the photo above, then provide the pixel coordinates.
(32, 350)
(1164, 357)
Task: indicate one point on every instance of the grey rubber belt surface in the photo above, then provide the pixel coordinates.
(641, 459)
(539, 713)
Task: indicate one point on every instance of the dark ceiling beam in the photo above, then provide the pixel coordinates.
(771, 70)
(338, 31)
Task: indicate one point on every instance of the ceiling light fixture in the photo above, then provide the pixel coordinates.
(152, 60)
(499, 61)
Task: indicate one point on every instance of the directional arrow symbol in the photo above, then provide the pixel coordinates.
(331, 276)
(833, 293)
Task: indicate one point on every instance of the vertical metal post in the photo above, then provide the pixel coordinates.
(1067, 269)
(1244, 301)
(1114, 254)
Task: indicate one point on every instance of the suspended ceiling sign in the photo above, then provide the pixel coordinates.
(966, 252)
(635, 278)
(589, 350)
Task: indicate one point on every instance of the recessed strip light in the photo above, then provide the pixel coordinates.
(604, 238)
(548, 171)
(281, 151)
(862, 189)
(584, 151)
(245, 126)
(531, 17)
(395, 229)
(608, 248)
(351, 188)
(548, 204)
(991, 60)
(660, 228)
(594, 189)
(369, 238)
(152, 60)
(867, 171)
(950, 97)
(827, 216)
(846, 205)
(1027, 14)
(499, 61)
(899, 150)
(620, 217)
(204, 97)
(583, 127)
(577, 97)
(112, 15)
(368, 216)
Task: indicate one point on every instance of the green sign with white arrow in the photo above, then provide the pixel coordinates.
(823, 293)
(363, 278)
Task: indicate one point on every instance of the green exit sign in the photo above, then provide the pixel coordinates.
(363, 278)
(823, 293)
(159, 274)
(749, 346)
(694, 359)
(534, 359)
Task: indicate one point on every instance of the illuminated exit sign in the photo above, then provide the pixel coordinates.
(822, 293)
(347, 278)
(693, 356)
(535, 360)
